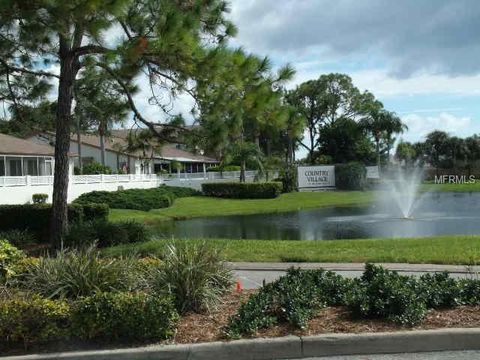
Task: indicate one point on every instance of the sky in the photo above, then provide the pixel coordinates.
(419, 57)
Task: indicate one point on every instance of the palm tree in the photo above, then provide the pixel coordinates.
(245, 153)
(382, 124)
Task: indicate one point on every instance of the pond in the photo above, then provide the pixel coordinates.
(434, 214)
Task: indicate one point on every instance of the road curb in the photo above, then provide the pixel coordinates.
(289, 347)
(254, 266)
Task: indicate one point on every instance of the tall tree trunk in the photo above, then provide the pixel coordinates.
(312, 149)
(102, 144)
(79, 146)
(62, 145)
(243, 167)
(377, 149)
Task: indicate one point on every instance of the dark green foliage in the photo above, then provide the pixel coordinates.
(10, 256)
(289, 178)
(36, 218)
(137, 199)
(18, 238)
(105, 233)
(379, 293)
(124, 316)
(33, 320)
(235, 190)
(385, 294)
(351, 176)
(441, 291)
(39, 198)
(95, 212)
(224, 168)
(293, 299)
(95, 168)
(470, 291)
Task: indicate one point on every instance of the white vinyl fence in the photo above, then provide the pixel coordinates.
(19, 189)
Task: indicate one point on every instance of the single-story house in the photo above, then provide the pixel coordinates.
(118, 159)
(19, 157)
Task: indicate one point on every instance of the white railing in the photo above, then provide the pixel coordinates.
(122, 178)
(76, 179)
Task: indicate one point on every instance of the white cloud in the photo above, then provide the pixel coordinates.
(419, 126)
(382, 84)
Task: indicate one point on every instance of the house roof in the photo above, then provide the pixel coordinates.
(168, 151)
(10, 145)
(117, 143)
(171, 152)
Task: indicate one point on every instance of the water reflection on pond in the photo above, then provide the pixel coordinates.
(436, 214)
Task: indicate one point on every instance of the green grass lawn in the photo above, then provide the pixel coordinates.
(199, 206)
(451, 187)
(430, 250)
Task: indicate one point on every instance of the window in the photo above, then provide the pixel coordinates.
(30, 166)
(14, 166)
(2, 166)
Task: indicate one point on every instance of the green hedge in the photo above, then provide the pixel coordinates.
(351, 176)
(224, 168)
(36, 217)
(137, 199)
(237, 190)
(10, 256)
(33, 320)
(105, 316)
(379, 294)
(106, 233)
(124, 316)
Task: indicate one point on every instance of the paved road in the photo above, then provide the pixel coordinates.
(252, 276)
(447, 355)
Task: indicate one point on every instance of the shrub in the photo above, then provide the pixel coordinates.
(39, 198)
(351, 176)
(36, 218)
(441, 291)
(124, 316)
(95, 212)
(10, 256)
(237, 190)
(137, 199)
(76, 273)
(18, 238)
(194, 274)
(385, 294)
(105, 233)
(289, 178)
(293, 298)
(95, 168)
(224, 168)
(470, 291)
(33, 320)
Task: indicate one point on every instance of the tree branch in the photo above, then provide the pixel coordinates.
(90, 49)
(136, 112)
(27, 71)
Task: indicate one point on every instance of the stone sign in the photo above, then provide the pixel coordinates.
(372, 172)
(312, 178)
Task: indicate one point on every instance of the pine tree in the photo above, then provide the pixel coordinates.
(166, 39)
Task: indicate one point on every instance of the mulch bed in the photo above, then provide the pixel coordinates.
(196, 328)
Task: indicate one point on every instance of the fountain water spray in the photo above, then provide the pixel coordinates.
(403, 190)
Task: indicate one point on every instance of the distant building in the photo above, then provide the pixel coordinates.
(120, 160)
(19, 157)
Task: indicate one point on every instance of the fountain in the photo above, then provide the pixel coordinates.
(403, 190)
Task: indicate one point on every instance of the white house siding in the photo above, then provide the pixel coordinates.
(94, 153)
